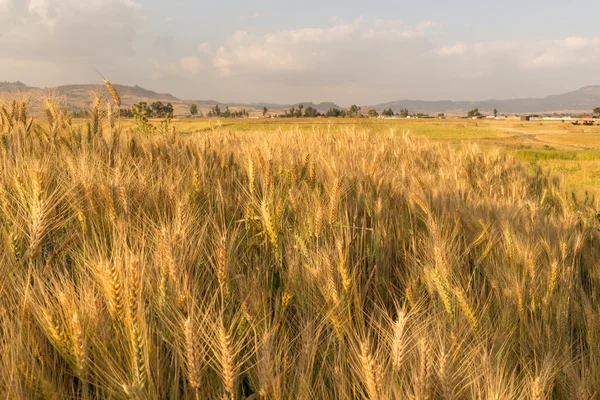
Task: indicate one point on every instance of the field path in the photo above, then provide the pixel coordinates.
(532, 138)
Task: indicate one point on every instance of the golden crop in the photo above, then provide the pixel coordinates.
(334, 264)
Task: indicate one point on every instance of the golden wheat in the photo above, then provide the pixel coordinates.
(329, 263)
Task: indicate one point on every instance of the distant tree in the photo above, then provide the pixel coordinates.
(215, 112)
(597, 110)
(265, 111)
(441, 115)
(299, 112)
(227, 113)
(160, 110)
(194, 109)
(333, 112)
(474, 113)
(354, 109)
(125, 113)
(311, 112)
(388, 113)
(495, 113)
(404, 112)
(373, 113)
(157, 108)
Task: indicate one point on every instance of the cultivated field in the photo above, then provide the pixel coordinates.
(571, 153)
(307, 260)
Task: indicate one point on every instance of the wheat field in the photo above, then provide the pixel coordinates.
(337, 263)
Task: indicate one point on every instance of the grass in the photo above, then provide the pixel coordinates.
(253, 260)
(553, 154)
(436, 129)
(588, 140)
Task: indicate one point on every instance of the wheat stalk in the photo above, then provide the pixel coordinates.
(251, 176)
(114, 291)
(79, 346)
(369, 371)
(398, 341)
(268, 223)
(113, 92)
(193, 359)
(222, 261)
(227, 364)
(467, 309)
(37, 222)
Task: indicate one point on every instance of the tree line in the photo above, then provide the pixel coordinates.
(155, 110)
(227, 113)
(158, 109)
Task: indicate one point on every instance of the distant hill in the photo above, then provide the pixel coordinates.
(14, 87)
(582, 100)
(273, 107)
(321, 107)
(78, 97)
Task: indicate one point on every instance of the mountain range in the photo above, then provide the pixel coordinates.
(582, 100)
(77, 97)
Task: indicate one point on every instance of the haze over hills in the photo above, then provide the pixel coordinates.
(581, 100)
(77, 97)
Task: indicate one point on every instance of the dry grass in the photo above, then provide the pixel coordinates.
(279, 264)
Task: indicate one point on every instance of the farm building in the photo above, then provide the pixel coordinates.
(525, 117)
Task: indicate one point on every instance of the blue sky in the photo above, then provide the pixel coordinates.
(349, 51)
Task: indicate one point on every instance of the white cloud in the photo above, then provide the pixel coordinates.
(42, 8)
(64, 30)
(312, 49)
(525, 54)
(454, 50)
(177, 70)
(205, 48)
(565, 52)
(364, 60)
(191, 64)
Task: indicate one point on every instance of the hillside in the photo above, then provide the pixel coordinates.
(274, 108)
(14, 87)
(77, 97)
(581, 100)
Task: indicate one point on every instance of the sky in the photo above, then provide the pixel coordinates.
(363, 52)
